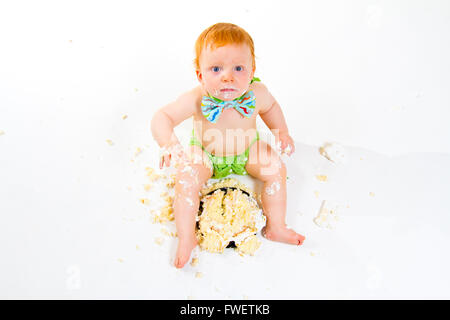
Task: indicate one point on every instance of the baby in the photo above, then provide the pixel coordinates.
(224, 139)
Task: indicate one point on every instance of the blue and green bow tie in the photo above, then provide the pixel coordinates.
(213, 107)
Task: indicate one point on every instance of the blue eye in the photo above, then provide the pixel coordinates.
(215, 69)
(238, 68)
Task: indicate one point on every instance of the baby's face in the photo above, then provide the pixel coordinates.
(226, 72)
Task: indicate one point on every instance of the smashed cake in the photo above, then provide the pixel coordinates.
(229, 216)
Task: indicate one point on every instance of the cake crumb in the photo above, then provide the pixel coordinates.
(159, 241)
(124, 117)
(327, 216)
(145, 201)
(333, 152)
(137, 152)
(165, 214)
(322, 178)
(109, 141)
(120, 260)
(198, 275)
(2, 132)
(152, 175)
(170, 184)
(169, 200)
(194, 262)
(167, 233)
(249, 246)
(371, 194)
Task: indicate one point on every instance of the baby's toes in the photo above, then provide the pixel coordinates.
(300, 239)
(180, 261)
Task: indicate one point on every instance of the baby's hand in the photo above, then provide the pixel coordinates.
(286, 144)
(170, 152)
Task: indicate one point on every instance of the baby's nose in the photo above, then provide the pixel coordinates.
(227, 76)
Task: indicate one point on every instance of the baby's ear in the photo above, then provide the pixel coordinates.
(199, 75)
(253, 72)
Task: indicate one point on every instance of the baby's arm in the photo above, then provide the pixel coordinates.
(273, 117)
(168, 117)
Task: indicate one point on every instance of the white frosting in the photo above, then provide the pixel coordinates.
(187, 169)
(288, 150)
(258, 218)
(184, 183)
(189, 200)
(274, 187)
(177, 153)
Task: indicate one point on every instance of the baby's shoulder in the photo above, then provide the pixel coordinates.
(258, 85)
(259, 89)
(191, 97)
(197, 94)
(194, 93)
(263, 97)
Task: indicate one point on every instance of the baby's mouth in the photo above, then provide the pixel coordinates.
(227, 90)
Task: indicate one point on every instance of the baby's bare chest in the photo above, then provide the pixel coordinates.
(231, 134)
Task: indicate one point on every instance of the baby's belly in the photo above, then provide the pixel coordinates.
(226, 138)
(231, 143)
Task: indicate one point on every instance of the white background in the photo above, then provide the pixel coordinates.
(371, 75)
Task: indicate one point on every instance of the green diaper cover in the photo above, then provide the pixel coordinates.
(223, 166)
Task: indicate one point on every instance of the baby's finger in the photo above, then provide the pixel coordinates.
(279, 146)
(166, 161)
(290, 149)
(293, 148)
(283, 144)
(284, 147)
(161, 161)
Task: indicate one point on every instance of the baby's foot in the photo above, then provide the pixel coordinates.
(282, 234)
(185, 247)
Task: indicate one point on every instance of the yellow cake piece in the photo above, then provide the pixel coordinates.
(227, 216)
(248, 246)
(212, 241)
(165, 214)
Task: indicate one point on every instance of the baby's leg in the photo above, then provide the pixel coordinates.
(265, 165)
(190, 177)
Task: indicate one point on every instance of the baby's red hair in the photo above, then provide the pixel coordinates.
(219, 35)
